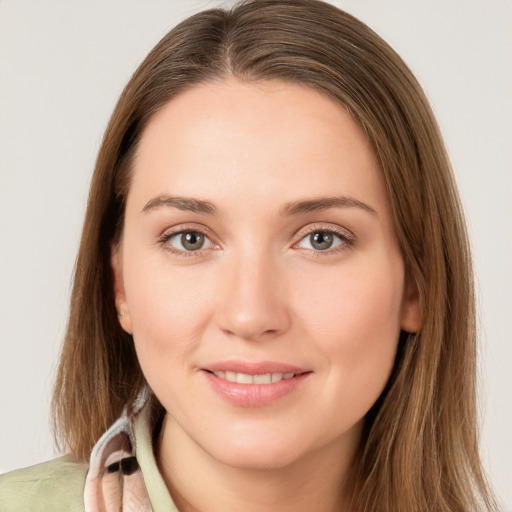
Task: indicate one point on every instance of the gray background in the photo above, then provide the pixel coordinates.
(62, 67)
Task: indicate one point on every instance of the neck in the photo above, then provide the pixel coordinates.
(200, 483)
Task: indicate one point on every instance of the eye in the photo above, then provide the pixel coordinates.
(188, 241)
(322, 240)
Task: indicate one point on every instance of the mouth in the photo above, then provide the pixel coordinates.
(255, 384)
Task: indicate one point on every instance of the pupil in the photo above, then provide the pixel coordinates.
(192, 241)
(321, 241)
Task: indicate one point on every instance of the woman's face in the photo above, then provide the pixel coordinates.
(259, 272)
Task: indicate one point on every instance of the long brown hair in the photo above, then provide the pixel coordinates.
(419, 450)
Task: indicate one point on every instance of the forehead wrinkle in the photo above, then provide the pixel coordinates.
(189, 204)
(324, 203)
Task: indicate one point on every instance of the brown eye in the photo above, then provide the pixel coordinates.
(188, 241)
(321, 240)
(192, 241)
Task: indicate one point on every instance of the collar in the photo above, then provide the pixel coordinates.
(123, 473)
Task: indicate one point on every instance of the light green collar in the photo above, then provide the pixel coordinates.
(159, 496)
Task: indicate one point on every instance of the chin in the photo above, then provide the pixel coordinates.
(255, 458)
(258, 452)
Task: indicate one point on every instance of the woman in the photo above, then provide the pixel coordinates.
(273, 290)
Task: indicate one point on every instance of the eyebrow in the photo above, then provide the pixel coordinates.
(324, 203)
(294, 208)
(181, 203)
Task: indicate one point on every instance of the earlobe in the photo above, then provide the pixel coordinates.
(412, 315)
(123, 312)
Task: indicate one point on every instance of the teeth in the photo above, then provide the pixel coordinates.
(245, 378)
(262, 379)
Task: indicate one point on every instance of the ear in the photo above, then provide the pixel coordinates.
(123, 312)
(412, 315)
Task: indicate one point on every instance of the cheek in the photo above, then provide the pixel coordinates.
(169, 309)
(355, 321)
(352, 306)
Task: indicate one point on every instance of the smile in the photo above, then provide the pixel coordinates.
(246, 378)
(254, 384)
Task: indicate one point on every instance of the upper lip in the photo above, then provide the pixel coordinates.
(254, 368)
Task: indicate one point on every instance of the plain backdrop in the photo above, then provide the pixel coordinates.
(63, 65)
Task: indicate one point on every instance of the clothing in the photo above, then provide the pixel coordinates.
(122, 474)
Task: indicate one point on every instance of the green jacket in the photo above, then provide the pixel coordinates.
(57, 485)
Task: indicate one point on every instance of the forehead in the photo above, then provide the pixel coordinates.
(240, 138)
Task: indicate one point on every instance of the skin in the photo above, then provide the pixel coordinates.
(258, 290)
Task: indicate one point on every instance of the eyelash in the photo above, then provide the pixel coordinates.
(180, 231)
(346, 238)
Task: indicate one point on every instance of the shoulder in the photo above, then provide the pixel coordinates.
(57, 485)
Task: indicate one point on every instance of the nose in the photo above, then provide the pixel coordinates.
(253, 302)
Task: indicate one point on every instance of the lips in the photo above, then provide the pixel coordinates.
(254, 384)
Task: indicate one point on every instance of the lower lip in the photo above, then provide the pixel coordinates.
(254, 395)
